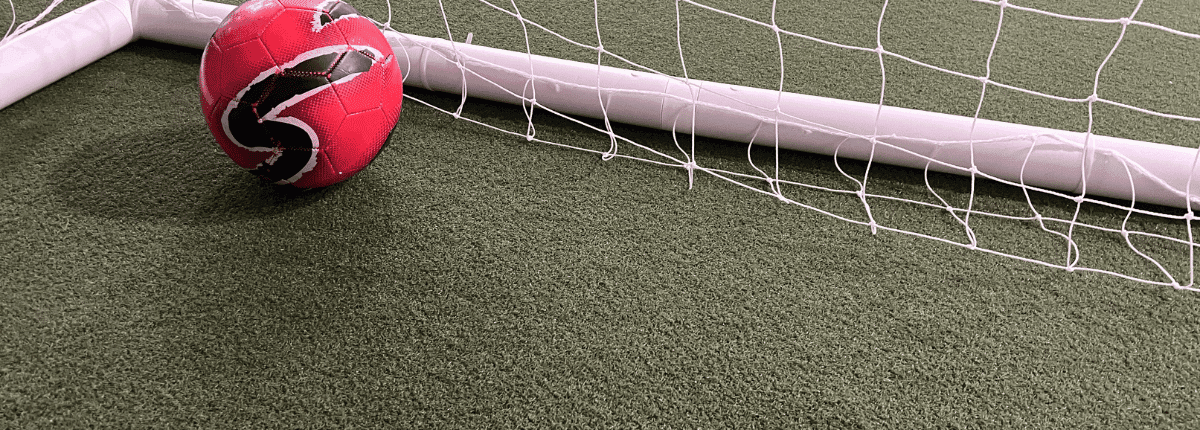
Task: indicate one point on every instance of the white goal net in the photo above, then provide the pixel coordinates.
(1057, 133)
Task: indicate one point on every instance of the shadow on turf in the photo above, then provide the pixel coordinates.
(250, 279)
(241, 286)
(170, 173)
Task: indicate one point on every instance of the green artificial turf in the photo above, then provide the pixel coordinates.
(470, 279)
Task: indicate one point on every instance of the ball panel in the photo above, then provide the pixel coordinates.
(287, 165)
(320, 176)
(323, 113)
(363, 92)
(242, 156)
(207, 97)
(284, 89)
(392, 93)
(359, 140)
(292, 33)
(212, 115)
(229, 70)
(364, 32)
(246, 22)
(351, 62)
(335, 10)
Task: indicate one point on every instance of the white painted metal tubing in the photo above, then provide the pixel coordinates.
(1035, 156)
(178, 22)
(55, 49)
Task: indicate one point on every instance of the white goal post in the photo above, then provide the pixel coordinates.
(1073, 163)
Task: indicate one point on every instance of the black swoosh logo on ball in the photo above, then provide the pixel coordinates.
(253, 120)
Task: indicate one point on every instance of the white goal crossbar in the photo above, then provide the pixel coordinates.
(1039, 158)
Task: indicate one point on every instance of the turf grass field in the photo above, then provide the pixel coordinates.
(473, 279)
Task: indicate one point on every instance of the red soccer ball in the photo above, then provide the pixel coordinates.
(300, 92)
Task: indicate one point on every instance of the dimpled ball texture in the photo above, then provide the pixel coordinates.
(300, 92)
